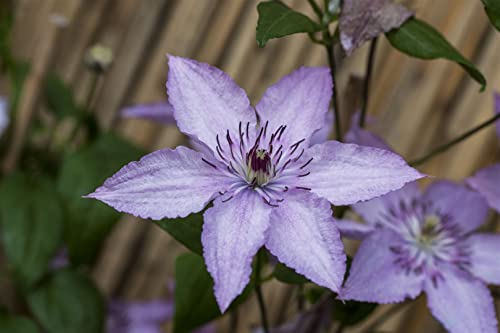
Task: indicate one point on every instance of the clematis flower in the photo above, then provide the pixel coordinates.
(4, 115)
(417, 243)
(487, 181)
(268, 185)
(138, 317)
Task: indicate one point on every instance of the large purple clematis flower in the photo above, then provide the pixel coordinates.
(487, 181)
(268, 185)
(425, 242)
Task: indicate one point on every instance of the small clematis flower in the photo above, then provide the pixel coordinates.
(268, 185)
(4, 114)
(138, 317)
(417, 242)
(487, 181)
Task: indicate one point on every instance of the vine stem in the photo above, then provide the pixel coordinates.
(444, 147)
(366, 90)
(260, 297)
(331, 62)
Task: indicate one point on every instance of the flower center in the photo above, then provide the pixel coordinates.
(259, 166)
(428, 238)
(263, 160)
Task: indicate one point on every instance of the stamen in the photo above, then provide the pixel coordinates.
(211, 164)
(298, 157)
(307, 163)
(305, 174)
(269, 203)
(248, 124)
(302, 188)
(226, 200)
(218, 143)
(220, 154)
(228, 138)
(265, 127)
(281, 133)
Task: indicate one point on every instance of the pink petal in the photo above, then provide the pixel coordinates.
(462, 303)
(300, 101)
(232, 234)
(158, 112)
(466, 208)
(303, 235)
(375, 209)
(485, 249)
(206, 100)
(166, 183)
(487, 182)
(374, 277)
(347, 173)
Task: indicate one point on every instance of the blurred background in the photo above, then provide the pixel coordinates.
(418, 104)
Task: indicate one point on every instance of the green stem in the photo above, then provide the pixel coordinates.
(331, 62)
(444, 147)
(366, 90)
(92, 90)
(260, 297)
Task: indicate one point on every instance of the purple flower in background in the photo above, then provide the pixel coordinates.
(162, 112)
(363, 20)
(138, 317)
(363, 137)
(4, 114)
(268, 185)
(487, 181)
(425, 242)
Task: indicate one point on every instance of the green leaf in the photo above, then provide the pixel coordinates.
(17, 324)
(350, 313)
(277, 20)
(31, 218)
(68, 302)
(492, 8)
(288, 275)
(185, 230)
(89, 221)
(60, 98)
(195, 304)
(418, 39)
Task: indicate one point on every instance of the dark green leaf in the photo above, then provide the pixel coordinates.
(277, 20)
(68, 302)
(418, 39)
(31, 217)
(16, 324)
(60, 98)
(350, 313)
(186, 230)
(195, 304)
(492, 8)
(288, 275)
(89, 221)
